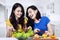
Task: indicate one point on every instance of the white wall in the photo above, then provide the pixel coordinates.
(2, 22)
(57, 12)
(41, 4)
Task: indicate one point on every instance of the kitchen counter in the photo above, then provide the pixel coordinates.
(43, 38)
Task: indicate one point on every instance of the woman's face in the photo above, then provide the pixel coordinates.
(18, 12)
(32, 13)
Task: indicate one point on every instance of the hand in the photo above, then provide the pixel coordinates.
(36, 30)
(11, 29)
(29, 27)
(46, 32)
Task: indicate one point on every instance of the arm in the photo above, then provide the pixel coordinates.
(49, 29)
(9, 28)
(9, 31)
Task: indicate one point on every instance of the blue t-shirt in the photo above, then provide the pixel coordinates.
(42, 25)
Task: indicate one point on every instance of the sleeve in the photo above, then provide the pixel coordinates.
(47, 20)
(8, 23)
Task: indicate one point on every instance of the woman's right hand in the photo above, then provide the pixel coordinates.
(10, 28)
(9, 31)
(36, 30)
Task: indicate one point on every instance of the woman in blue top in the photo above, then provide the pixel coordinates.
(39, 24)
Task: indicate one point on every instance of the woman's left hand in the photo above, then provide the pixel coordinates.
(29, 27)
(46, 32)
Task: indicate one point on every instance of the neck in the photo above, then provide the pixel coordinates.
(36, 21)
(17, 18)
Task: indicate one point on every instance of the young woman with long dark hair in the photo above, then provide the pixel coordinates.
(39, 24)
(17, 22)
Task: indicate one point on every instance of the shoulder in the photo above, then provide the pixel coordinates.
(44, 17)
(8, 23)
(7, 20)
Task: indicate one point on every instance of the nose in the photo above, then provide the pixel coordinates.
(29, 14)
(20, 12)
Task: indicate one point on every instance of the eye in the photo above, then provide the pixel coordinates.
(19, 11)
(30, 12)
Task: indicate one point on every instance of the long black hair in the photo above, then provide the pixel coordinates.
(13, 19)
(31, 21)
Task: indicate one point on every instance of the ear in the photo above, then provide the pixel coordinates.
(36, 11)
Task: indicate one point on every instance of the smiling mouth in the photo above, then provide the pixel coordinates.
(19, 14)
(31, 16)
